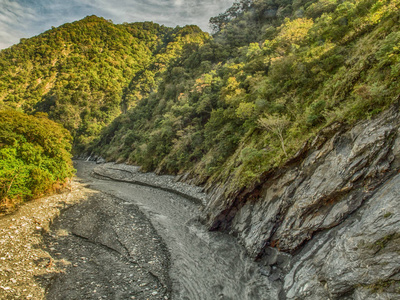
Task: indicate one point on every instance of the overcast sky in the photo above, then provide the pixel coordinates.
(27, 18)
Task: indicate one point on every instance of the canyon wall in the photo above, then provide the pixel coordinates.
(326, 225)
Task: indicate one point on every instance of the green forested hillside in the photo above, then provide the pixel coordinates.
(273, 75)
(225, 108)
(80, 73)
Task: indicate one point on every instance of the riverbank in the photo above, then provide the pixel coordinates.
(26, 266)
(81, 244)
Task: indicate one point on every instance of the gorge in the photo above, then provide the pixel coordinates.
(257, 162)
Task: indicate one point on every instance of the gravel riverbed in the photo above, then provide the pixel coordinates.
(26, 266)
(113, 235)
(81, 244)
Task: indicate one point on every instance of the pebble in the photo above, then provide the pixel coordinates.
(21, 236)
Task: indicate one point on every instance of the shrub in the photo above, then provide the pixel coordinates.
(34, 157)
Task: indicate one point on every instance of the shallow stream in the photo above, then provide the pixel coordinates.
(204, 265)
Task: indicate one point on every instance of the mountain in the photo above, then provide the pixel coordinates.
(243, 104)
(78, 73)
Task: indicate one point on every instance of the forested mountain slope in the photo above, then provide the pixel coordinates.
(80, 73)
(274, 74)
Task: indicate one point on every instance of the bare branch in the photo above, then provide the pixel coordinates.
(277, 125)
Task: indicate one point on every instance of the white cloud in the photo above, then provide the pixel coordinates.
(14, 21)
(25, 18)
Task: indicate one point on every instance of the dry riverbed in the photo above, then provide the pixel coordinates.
(81, 244)
(120, 234)
(25, 264)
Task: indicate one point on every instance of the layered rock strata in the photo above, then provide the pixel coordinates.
(329, 220)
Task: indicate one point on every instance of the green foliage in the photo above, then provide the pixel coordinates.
(85, 73)
(277, 125)
(245, 101)
(34, 157)
(227, 108)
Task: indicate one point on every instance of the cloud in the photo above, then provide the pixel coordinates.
(14, 21)
(26, 18)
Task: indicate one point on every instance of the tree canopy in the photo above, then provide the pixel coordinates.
(273, 75)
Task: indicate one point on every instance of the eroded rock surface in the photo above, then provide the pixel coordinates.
(357, 257)
(334, 208)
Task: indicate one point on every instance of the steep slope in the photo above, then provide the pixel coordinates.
(335, 208)
(233, 110)
(78, 73)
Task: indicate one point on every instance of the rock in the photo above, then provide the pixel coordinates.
(270, 256)
(266, 271)
(100, 160)
(335, 208)
(275, 277)
(362, 252)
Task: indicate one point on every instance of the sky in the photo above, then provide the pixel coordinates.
(27, 18)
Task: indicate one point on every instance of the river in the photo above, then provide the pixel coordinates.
(203, 265)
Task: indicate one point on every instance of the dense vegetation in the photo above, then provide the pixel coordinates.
(273, 75)
(35, 157)
(225, 108)
(85, 73)
(81, 75)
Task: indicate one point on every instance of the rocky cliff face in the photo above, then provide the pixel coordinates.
(327, 224)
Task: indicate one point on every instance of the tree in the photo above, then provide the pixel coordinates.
(277, 125)
(218, 23)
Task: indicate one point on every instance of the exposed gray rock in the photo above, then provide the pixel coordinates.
(362, 253)
(335, 208)
(100, 160)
